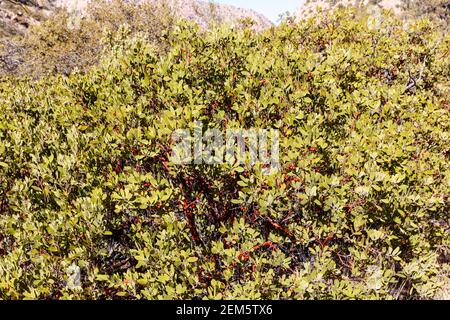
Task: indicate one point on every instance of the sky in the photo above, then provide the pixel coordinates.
(270, 8)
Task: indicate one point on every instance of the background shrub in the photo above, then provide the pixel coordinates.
(66, 41)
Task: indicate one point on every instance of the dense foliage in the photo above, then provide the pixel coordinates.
(359, 208)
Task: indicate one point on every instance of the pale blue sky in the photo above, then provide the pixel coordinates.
(270, 8)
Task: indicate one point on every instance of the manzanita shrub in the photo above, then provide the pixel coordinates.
(91, 206)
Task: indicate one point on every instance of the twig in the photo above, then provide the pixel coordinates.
(412, 82)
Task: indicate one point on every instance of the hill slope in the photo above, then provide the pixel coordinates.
(437, 10)
(310, 6)
(17, 15)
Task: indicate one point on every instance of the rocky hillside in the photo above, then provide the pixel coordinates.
(310, 6)
(17, 15)
(438, 10)
(203, 11)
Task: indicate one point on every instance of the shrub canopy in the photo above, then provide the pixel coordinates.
(359, 208)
